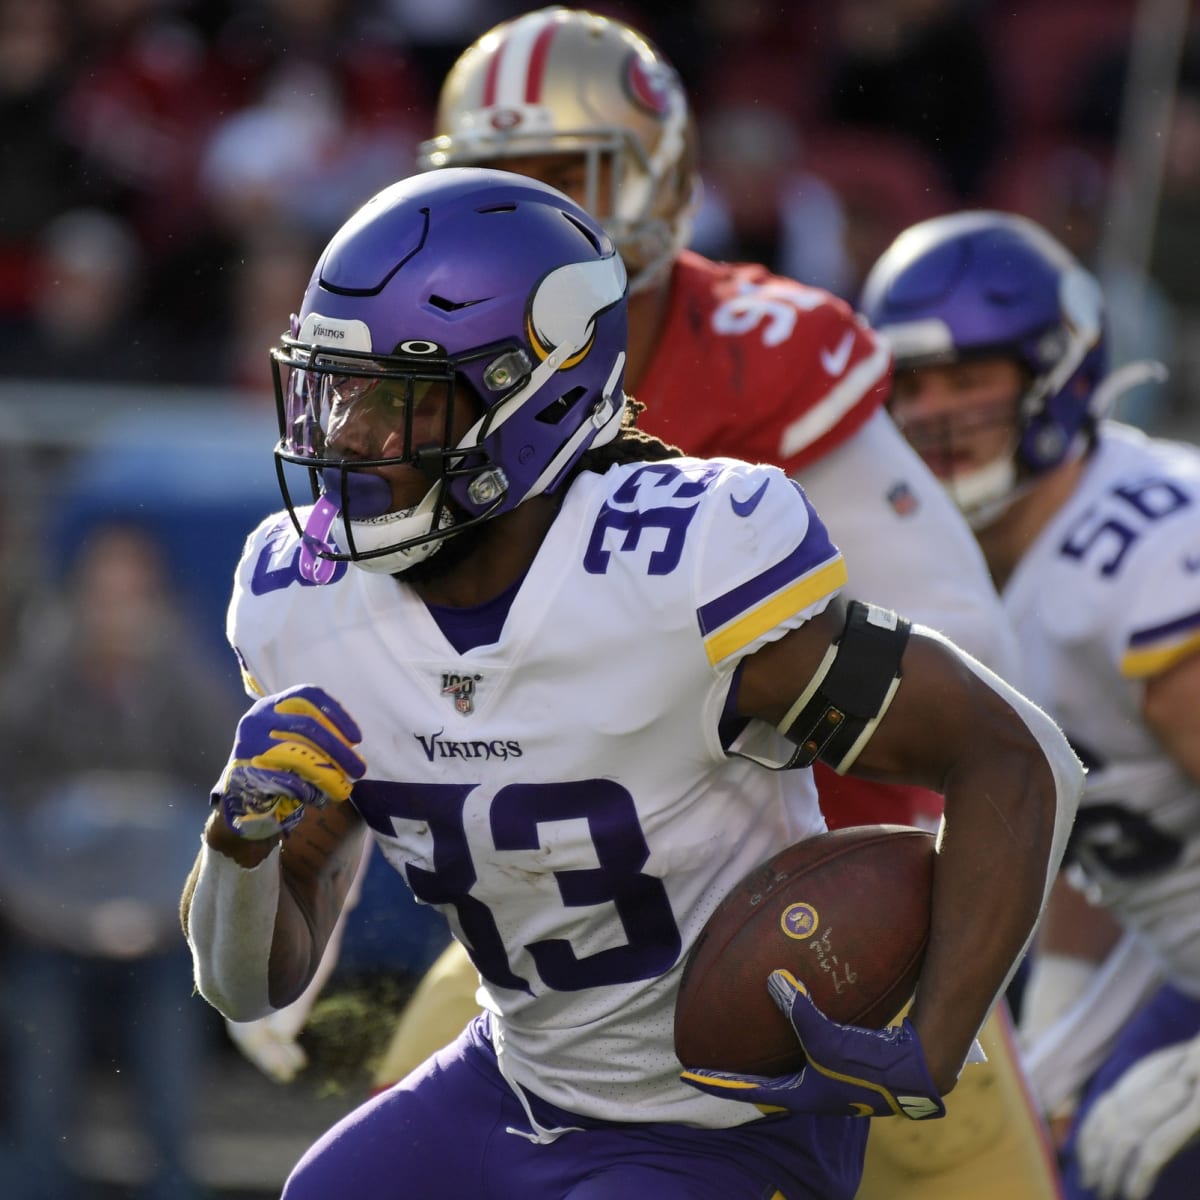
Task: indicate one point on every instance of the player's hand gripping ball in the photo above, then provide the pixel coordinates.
(846, 913)
(847, 1072)
(291, 749)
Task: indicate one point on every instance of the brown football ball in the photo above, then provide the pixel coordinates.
(847, 912)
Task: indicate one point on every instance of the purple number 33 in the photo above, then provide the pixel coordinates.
(518, 811)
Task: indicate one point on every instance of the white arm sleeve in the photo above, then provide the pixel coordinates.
(270, 1042)
(1056, 981)
(231, 922)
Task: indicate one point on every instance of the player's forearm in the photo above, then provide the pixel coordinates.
(258, 914)
(1075, 925)
(988, 888)
(1008, 815)
(1171, 708)
(319, 861)
(228, 912)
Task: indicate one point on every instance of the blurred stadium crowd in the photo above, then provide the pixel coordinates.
(170, 169)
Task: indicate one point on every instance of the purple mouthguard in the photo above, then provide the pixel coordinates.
(366, 496)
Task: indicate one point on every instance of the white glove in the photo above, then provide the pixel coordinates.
(1141, 1123)
(270, 1044)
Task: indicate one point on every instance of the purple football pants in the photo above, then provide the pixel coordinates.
(1167, 1017)
(442, 1132)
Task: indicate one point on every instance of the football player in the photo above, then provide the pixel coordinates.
(646, 634)
(1090, 530)
(727, 358)
(731, 359)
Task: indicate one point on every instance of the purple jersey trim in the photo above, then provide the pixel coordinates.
(480, 625)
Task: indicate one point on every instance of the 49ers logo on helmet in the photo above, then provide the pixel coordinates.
(504, 119)
(649, 84)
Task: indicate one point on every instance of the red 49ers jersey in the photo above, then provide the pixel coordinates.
(763, 368)
(759, 367)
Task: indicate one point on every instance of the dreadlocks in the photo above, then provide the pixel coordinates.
(630, 445)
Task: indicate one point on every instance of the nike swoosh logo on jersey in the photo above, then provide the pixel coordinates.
(917, 1107)
(744, 508)
(834, 361)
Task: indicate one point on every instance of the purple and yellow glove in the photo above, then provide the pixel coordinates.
(850, 1072)
(291, 749)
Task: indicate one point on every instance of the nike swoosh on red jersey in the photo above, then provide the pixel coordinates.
(834, 361)
(744, 508)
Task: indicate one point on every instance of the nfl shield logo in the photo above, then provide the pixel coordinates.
(462, 689)
(902, 500)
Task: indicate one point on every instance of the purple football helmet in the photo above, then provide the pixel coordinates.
(976, 284)
(479, 281)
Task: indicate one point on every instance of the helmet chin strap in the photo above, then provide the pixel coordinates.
(368, 497)
(984, 493)
(378, 532)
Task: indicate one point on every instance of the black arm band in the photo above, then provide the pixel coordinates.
(837, 713)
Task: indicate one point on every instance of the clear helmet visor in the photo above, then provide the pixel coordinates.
(332, 415)
(342, 420)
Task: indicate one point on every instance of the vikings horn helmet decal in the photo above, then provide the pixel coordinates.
(493, 287)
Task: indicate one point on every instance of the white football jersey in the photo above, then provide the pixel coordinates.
(1107, 596)
(563, 794)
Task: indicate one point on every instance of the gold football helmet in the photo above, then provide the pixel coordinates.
(563, 81)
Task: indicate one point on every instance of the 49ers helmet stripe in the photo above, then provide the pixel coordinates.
(562, 81)
(518, 67)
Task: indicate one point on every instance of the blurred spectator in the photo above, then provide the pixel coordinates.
(820, 210)
(923, 69)
(267, 285)
(84, 318)
(40, 173)
(145, 94)
(1073, 86)
(1174, 248)
(885, 183)
(753, 52)
(762, 205)
(112, 730)
(329, 108)
(297, 154)
(1176, 253)
(437, 32)
(1067, 188)
(333, 105)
